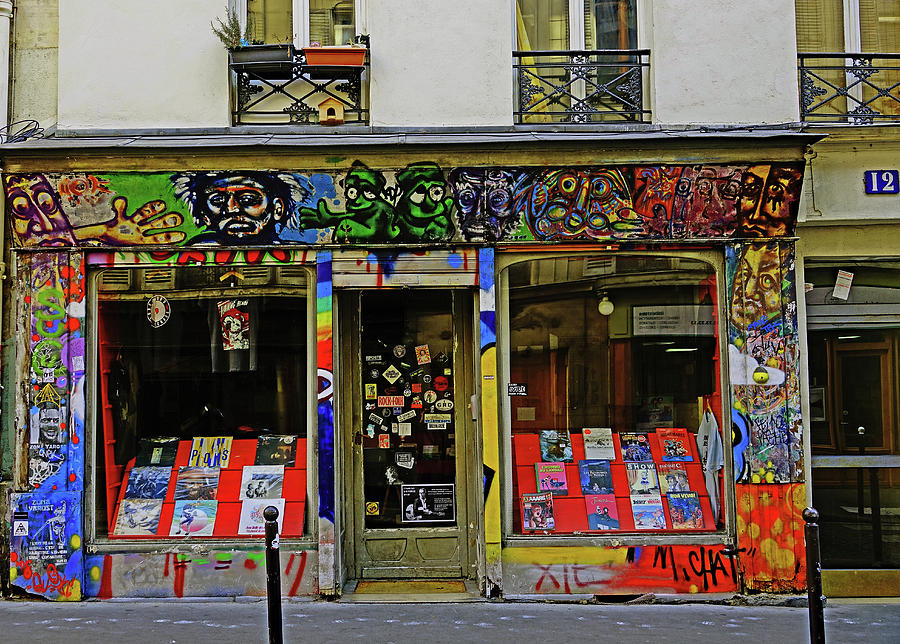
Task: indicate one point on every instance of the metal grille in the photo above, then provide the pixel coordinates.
(856, 89)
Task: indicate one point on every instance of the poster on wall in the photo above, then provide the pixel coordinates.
(428, 502)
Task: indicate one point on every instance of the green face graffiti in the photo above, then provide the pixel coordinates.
(423, 211)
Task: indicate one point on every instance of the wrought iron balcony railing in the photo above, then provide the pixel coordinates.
(280, 87)
(857, 89)
(591, 86)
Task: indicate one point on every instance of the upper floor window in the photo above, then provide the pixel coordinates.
(859, 87)
(575, 24)
(327, 22)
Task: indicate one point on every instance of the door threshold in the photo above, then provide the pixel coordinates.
(411, 591)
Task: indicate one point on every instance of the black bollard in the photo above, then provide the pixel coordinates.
(814, 577)
(273, 575)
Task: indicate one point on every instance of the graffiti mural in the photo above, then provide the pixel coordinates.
(220, 573)
(421, 202)
(764, 361)
(619, 570)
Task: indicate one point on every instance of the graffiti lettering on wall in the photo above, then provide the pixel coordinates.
(682, 569)
(421, 202)
(770, 536)
(220, 573)
(45, 545)
(763, 355)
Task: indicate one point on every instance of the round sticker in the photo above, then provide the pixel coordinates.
(430, 396)
(441, 383)
(426, 378)
(158, 311)
(444, 405)
(399, 351)
(374, 373)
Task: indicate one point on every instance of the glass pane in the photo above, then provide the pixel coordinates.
(858, 529)
(820, 25)
(610, 24)
(610, 360)
(270, 21)
(542, 25)
(880, 27)
(331, 22)
(861, 399)
(183, 358)
(407, 433)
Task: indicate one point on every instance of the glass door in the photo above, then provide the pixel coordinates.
(410, 433)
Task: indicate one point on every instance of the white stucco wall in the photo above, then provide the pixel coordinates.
(440, 63)
(730, 61)
(135, 64)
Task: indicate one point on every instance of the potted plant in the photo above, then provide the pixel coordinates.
(347, 55)
(245, 55)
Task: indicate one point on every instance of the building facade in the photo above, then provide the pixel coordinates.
(517, 308)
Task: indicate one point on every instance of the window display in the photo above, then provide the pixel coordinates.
(203, 401)
(613, 363)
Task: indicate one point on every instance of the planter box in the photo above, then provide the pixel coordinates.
(335, 56)
(269, 61)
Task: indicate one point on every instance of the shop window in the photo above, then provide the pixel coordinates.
(202, 401)
(613, 379)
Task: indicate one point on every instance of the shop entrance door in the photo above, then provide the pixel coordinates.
(409, 457)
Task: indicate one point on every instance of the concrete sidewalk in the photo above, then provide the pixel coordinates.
(136, 622)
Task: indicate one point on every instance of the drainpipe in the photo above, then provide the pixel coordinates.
(6, 9)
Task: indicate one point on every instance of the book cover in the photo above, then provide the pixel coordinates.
(276, 450)
(537, 511)
(210, 451)
(262, 481)
(193, 519)
(684, 510)
(642, 478)
(556, 446)
(551, 477)
(160, 450)
(648, 512)
(196, 483)
(138, 517)
(635, 447)
(673, 443)
(602, 512)
(252, 520)
(148, 482)
(596, 477)
(672, 478)
(598, 443)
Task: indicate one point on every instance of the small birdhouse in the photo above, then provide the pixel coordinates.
(331, 112)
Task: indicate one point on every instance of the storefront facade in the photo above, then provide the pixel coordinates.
(415, 353)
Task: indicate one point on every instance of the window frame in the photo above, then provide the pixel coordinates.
(576, 26)
(95, 542)
(300, 18)
(509, 505)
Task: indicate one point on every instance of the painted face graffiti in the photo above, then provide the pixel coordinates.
(756, 293)
(37, 210)
(484, 202)
(423, 211)
(767, 196)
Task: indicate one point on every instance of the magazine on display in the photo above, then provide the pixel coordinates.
(648, 512)
(252, 520)
(673, 443)
(642, 478)
(161, 451)
(276, 450)
(148, 482)
(196, 483)
(602, 512)
(596, 477)
(598, 443)
(262, 481)
(138, 517)
(684, 510)
(556, 446)
(537, 511)
(193, 519)
(635, 447)
(210, 451)
(672, 478)
(551, 477)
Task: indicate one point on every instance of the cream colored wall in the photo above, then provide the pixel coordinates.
(439, 63)
(834, 188)
(34, 56)
(730, 61)
(135, 64)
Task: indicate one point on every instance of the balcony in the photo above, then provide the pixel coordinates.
(853, 89)
(581, 87)
(275, 85)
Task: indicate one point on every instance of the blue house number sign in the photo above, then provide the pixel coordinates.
(882, 182)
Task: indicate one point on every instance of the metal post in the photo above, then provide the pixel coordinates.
(273, 575)
(814, 577)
